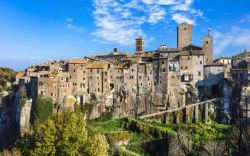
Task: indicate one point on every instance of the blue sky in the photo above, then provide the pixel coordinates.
(34, 31)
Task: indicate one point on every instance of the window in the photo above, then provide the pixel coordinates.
(139, 77)
(91, 70)
(163, 70)
(206, 42)
(162, 62)
(141, 84)
(97, 70)
(98, 89)
(186, 77)
(186, 67)
(131, 77)
(185, 29)
(188, 58)
(200, 62)
(199, 73)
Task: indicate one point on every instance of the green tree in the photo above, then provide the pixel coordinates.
(96, 145)
(61, 134)
(71, 132)
(45, 139)
(43, 109)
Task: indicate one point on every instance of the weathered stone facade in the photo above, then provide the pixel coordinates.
(146, 82)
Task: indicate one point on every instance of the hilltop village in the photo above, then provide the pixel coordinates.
(139, 83)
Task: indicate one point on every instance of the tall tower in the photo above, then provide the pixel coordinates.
(139, 42)
(184, 35)
(208, 47)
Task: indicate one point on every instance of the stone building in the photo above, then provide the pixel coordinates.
(139, 46)
(208, 48)
(227, 62)
(115, 55)
(240, 71)
(144, 82)
(184, 35)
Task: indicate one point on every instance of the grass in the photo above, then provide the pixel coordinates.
(137, 131)
(122, 151)
(112, 125)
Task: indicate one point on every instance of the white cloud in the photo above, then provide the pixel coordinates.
(120, 21)
(69, 19)
(156, 14)
(236, 37)
(180, 18)
(245, 19)
(183, 6)
(75, 28)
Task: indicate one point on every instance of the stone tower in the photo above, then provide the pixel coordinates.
(184, 35)
(139, 46)
(208, 48)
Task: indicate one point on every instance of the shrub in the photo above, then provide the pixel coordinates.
(95, 145)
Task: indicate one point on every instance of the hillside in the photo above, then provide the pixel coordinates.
(7, 76)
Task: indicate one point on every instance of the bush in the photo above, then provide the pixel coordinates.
(23, 102)
(115, 137)
(95, 145)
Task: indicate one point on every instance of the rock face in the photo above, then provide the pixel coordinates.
(14, 119)
(25, 117)
(245, 102)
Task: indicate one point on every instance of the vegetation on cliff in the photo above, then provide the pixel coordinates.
(68, 133)
(42, 109)
(63, 134)
(7, 76)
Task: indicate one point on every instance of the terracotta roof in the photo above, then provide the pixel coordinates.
(191, 47)
(97, 65)
(103, 54)
(78, 61)
(133, 59)
(119, 66)
(53, 74)
(192, 52)
(223, 57)
(147, 55)
(20, 74)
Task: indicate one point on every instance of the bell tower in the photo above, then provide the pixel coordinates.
(184, 35)
(208, 47)
(139, 42)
